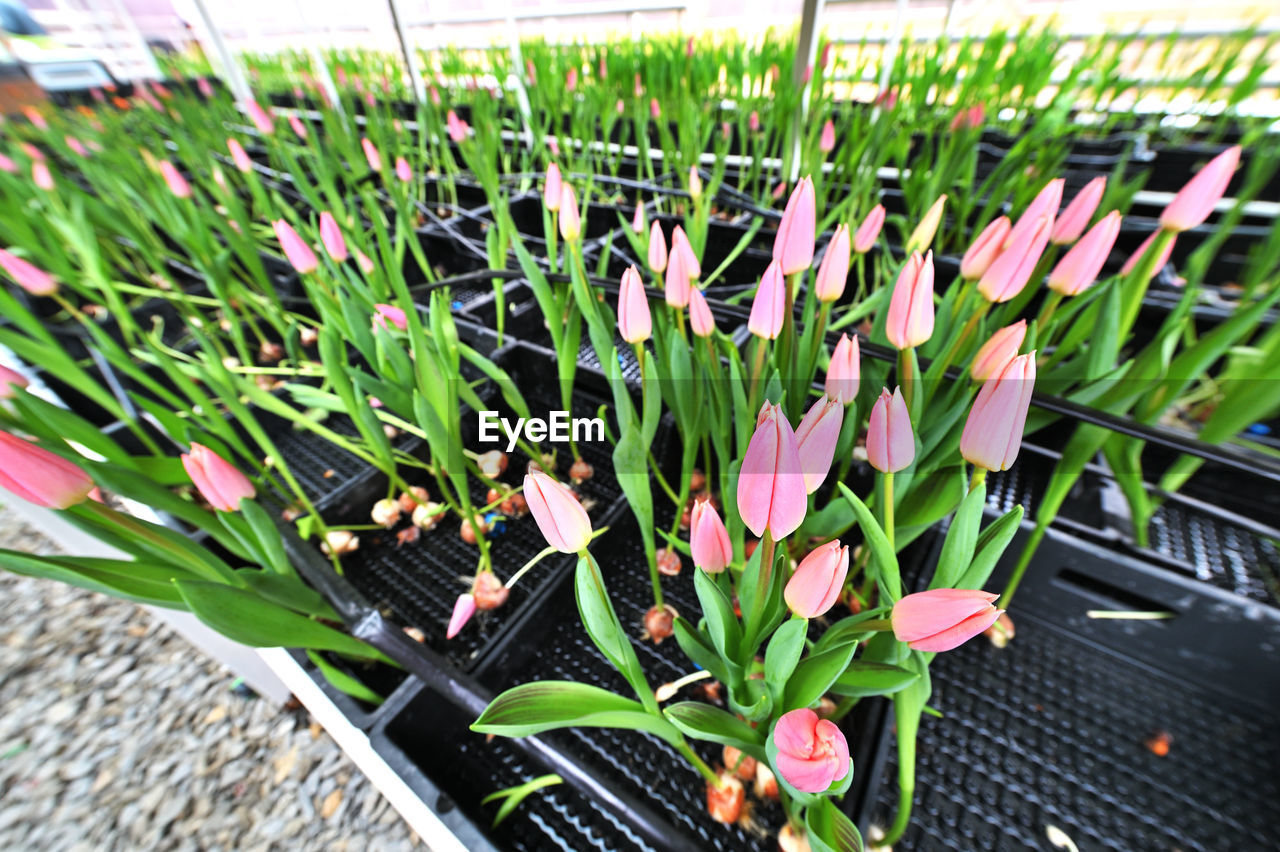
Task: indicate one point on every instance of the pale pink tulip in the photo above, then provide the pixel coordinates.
(844, 373)
(657, 248)
(559, 515)
(998, 351)
(910, 319)
(771, 491)
(1075, 218)
(708, 539)
(768, 310)
(993, 433)
(635, 323)
(793, 245)
(331, 235)
(701, 321)
(815, 586)
(217, 480)
(869, 230)
(1195, 201)
(38, 476)
(985, 249)
(816, 436)
(29, 277)
(1080, 266)
(833, 272)
(942, 619)
(296, 250)
(891, 442)
(1011, 271)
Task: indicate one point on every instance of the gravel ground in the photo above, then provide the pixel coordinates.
(115, 735)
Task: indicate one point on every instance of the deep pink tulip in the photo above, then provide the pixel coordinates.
(371, 155)
(833, 272)
(655, 111)
(1043, 206)
(205, 87)
(1011, 271)
(404, 173)
(39, 476)
(260, 117)
(458, 129)
(844, 373)
(390, 313)
(216, 479)
(31, 278)
(239, 156)
(817, 434)
(571, 79)
(635, 323)
(985, 249)
(563, 522)
(1080, 266)
(1075, 218)
(173, 178)
(771, 491)
(570, 219)
(812, 752)
(299, 129)
(827, 142)
(941, 619)
(891, 444)
(701, 321)
(41, 176)
(793, 245)
(331, 236)
(296, 250)
(11, 381)
(998, 351)
(680, 243)
(869, 230)
(708, 539)
(678, 285)
(910, 319)
(815, 586)
(769, 308)
(657, 248)
(993, 433)
(1195, 201)
(552, 188)
(463, 608)
(1142, 249)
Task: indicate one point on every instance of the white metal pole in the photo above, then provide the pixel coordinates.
(806, 54)
(891, 48)
(410, 54)
(232, 74)
(517, 60)
(317, 59)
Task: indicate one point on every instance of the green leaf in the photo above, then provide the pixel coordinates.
(863, 678)
(513, 796)
(783, 653)
(829, 830)
(886, 560)
(699, 649)
(816, 673)
(991, 545)
(722, 625)
(962, 537)
(141, 582)
(705, 722)
(602, 625)
(532, 708)
(344, 682)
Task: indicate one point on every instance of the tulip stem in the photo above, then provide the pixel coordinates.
(1050, 305)
(698, 763)
(1021, 568)
(552, 248)
(979, 478)
(907, 380)
(757, 370)
(888, 508)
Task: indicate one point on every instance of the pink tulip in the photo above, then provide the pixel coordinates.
(1071, 224)
(31, 278)
(771, 490)
(1195, 201)
(753, 121)
(1043, 206)
(834, 269)
(793, 245)
(390, 313)
(216, 479)
(910, 320)
(563, 522)
(816, 584)
(77, 146)
(1142, 249)
(1011, 271)
(891, 444)
(695, 183)
(941, 619)
(828, 140)
(261, 118)
(634, 321)
(35, 117)
(844, 373)
(620, 107)
(677, 282)
(173, 178)
(39, 476)
(922, 237)
(985, 249)
(299, 254)
(331, 236)
(969, 119)
(41, 176)
(998, 351)
(570, 220)
(655, 111)
(458, 129)
(434, 94)
(708, 539)
(371, 155)
(404, 174)
(11, 381)
(812, 753)
(637, 221)
(33, 152)
(571, 79)
(639, 89)
(769, 308)
(993, 433)
(554, 144)
(8, 165)
(239, 156)
(657, 248)
(364, 262)
(463, 608)
(1081, 264)
(205, 87)
(701, 321)
(680, 243)
(824, 58)
(816, 437)
(869, 230)
(299, 129)
(552, 188)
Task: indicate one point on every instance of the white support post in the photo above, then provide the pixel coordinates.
(410, 54)
(232, 74)
(890, 54)
(806, 54)
(517, 60)
(317, 59)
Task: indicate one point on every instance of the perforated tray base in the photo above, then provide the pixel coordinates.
(1218, 552)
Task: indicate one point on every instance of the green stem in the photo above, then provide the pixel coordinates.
(888, 508)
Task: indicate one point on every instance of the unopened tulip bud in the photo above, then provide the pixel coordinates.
(239, 157)
(371, 155)
(1012, 269)
(816, 437)
(998, 351)
(552, 188)
(891, 444)
(815, 586)
(922, 237)
(657, 248)
(708, 538)
(299, 254)
(463, 609)
(833, 272)
(40, 477)
(753, 121)
(993, 433)
(771, 486)
(635, 323)
(655, 111)
(331, 235)
(637, 221)
(695, 184)
(769, 308)
(793, 245)
(41, 176)
(390, 313)
(404, 174)
(701, 321)
(31, 278)
(299, 129)
(680, 243)
(812, 753)
(844, 373)
(458, 129)
(1080, 266)
(260, 118)
(560, 516)
(910, 319)
(1195, 201)
(677, 285)
(173, 178)
(1043, 206)
(827, 142)
(985, 249)
(217, 480)
(869, 230)
(570, 220)
(1071, 224)
(942, 619)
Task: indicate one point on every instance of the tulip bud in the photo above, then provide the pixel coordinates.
(216, 479)
(657, 248)
(571, 79)
(11, 381)
(834, 269)
(815, 586)
(331, 236)
(364, 262)
(552, 188)
(371, 155)
(1195, 201)
(869, 230)
(239, 157)
(390, 313)
(910, 320)
(77, 146)
(708, 539)
(563, 522)
(1071, 224)
(34, 280)
(637, 221)
(299, 129)
(844, 373)
(1142, 250)
(695, 184)
(793, 245)
(1081, 264)
(202, 83)
(993, 433)
(701, 322)
(463, 609)
(771, 486)
(827, 142)
(458, 129)
(634, 321)
(812, 754)
(39, 476)
(922, 237)
(985, 249)
(404, 174)
(261, 118)
(8, 165)
(299, 254)
(173, 178)
(655, 111)
(678, 288)
(680, 242)
(998, 351)
(941, 619)
(816, 437)
(1011, 271)
(891, 444)
(753, 121)
(1043, 206)
(769, 308)
(570, 221)
(41, 176)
